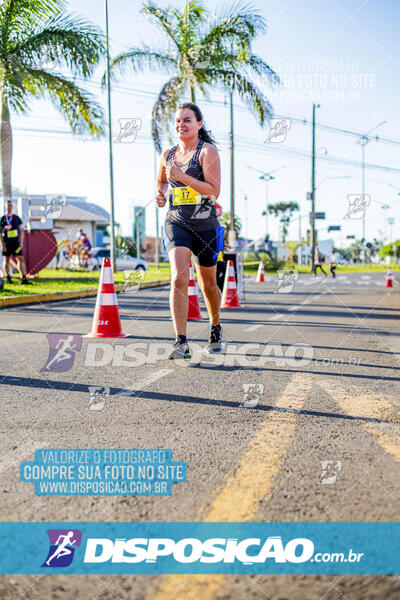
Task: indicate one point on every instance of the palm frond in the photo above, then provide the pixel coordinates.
(65, 40)
(162, 18)
(189, 20)
(141, 59)
(79, 107)
(248, 92)
(163, 108)
(18, 15)
(252, 63)
(238, 23)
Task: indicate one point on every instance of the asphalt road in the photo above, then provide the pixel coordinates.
(254, 457)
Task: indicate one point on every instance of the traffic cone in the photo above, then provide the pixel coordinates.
(260, 273)
(194, 313)
(106, 320)
(389, 278)
(230, 297)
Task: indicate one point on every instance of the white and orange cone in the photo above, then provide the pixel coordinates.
(230, 298)
(194, 313)
(260, 273)
(106, 320)
(389, 278)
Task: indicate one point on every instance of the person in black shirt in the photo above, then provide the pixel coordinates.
(12, 235)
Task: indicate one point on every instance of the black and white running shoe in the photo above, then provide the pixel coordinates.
(180, 350)
(215, 340)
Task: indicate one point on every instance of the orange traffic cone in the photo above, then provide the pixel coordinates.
(194, 313)
(230, 297)
(260, 273)
(106, 321)
(389, 278)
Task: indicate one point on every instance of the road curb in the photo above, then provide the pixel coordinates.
(54, 296)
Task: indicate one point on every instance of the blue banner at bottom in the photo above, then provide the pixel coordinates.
(214, 548)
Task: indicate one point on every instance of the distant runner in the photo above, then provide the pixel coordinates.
(318, 260)
(12, 238)
(189, 176)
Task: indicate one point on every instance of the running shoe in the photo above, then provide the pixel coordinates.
(9, 280)
(214, 341)
(25, 281)
(180, 350)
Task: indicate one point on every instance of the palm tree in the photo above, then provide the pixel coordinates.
(201, 53)
(285, 210)
(226, 217)
(36, 38)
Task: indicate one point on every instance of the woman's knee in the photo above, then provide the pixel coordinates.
(180, 280)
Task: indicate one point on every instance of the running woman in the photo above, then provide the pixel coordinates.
(189, 177)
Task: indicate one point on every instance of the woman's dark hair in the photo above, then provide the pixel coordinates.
(203, 133)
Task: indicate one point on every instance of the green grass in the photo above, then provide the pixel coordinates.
(59, 280)
(253, 267)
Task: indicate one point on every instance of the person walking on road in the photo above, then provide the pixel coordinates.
(318, 260)
(333, 264)
(12, 235)
(189, 177)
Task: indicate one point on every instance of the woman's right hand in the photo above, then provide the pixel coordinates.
(161, 199)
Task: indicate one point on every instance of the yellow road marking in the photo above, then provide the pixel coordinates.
(239, 495)
(358, 403)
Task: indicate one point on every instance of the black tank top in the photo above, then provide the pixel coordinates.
(198, 216)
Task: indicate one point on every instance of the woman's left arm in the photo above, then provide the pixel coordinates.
(209, 160)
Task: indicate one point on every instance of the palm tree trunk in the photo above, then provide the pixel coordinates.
(5, 147)
(192, 95)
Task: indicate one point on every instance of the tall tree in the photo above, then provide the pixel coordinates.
(285, 210)
(201, 52)
(37, 40)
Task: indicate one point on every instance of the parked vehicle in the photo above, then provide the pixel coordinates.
(123, 261)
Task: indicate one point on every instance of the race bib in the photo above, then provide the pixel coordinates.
(185, 195)
(12, 233)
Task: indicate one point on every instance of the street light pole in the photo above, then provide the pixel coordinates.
(110, 153)
(363, 141)
(232, 232)
(313, 188)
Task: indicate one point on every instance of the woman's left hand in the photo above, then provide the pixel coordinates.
(173, 171)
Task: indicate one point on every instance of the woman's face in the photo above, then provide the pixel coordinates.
(186, 124)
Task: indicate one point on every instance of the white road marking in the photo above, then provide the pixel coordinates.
(26, 451)
(253, 327)
(145, 382)
(277, 316)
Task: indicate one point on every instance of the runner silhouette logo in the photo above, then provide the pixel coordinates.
(62, 351)
(63, 543)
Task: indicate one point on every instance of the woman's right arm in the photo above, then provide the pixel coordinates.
(162, 182)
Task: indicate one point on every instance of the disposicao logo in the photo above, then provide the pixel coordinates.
(190, 550)
(62, 547)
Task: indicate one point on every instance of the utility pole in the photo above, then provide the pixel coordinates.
(232, 232)
(363, 141)
(157, 253)
(110, 152)
(312, 220)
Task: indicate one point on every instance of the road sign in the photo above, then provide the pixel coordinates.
(334, 228)
(309, 196)
(317, 215)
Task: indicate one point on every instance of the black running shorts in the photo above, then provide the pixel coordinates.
(12, 250)
(205, 245)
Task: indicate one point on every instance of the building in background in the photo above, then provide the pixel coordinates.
(149, 248)
(139, 224)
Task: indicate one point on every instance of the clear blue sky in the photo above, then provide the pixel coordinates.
(348, 50)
